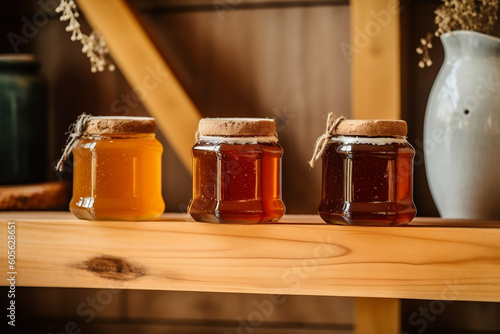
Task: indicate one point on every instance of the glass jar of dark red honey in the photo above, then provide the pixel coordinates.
(367, 174)
(237, 171)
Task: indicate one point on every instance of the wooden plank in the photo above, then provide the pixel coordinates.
(375, 55)
(201, 328)
(296, 257)
(147, 72)
(378, 316)
(177, 306)
(40, 196)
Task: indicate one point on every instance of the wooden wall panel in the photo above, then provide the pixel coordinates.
(139, 59)
(73, 89)
(157, 306)
(60, 303)
(134, 328)
(284, 63)
(279, 63)
(180, 312)
(229, 307)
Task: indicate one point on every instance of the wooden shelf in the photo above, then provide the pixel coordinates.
(300, 255)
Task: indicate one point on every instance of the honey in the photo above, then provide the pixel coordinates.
(367, 174)
(117, 170)
(367, 183)
(237, 172)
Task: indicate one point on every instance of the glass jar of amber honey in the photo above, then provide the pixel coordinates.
(237, 171)
(368, 174)
(117, 170)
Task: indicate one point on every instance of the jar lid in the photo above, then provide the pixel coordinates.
(108, 125)
(237, 127)
(372, 128)
(17, 57)
(22, 62)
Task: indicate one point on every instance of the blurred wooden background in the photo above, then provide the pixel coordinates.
(278, 59)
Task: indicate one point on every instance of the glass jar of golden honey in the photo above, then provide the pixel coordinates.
(367, 174)
(117, 170)
(237, 171)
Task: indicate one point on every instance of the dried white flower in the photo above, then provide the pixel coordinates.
(474, 15)
(423, 49)
(93, 46)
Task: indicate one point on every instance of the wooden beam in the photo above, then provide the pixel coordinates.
(378, 316)
(301, 255)
(146, 71)
(375, 55)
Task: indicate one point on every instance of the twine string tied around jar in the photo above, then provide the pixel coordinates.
(76, 131)
(331, 127)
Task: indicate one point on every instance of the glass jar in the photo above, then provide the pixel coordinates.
(117, 170)
(237, 171)
(368, 174)
(23, 121)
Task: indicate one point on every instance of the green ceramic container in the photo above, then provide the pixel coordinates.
(23, 121)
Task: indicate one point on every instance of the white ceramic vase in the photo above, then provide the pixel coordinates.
(462, 128)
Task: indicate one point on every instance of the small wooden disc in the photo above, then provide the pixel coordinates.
(107, 125)
(372, 128)
(237, 127)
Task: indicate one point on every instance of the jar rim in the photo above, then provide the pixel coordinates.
(238, 140)
(349, 140)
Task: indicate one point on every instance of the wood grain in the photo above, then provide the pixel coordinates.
(300, 256)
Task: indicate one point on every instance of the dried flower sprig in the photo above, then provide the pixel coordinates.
(423, 49)
(473, 15)
(93, 45)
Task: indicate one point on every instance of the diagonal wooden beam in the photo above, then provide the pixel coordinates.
(146, 71)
